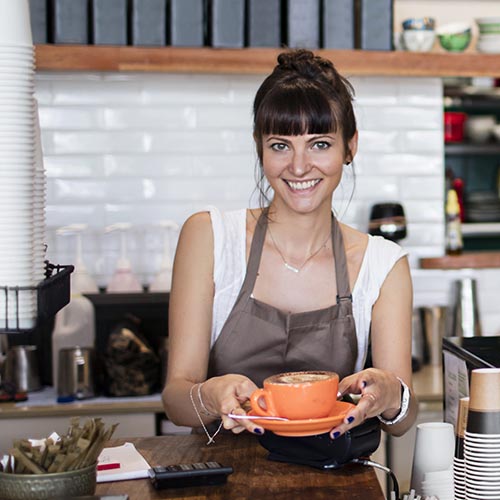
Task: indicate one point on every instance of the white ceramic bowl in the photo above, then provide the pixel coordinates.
(479, 129)
(418, 40)
(488, 25)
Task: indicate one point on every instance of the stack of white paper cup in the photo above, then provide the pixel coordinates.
(39, 196)
(482, 438)
(18, 308)
(432, 471)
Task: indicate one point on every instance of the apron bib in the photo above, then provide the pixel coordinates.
(258, 340)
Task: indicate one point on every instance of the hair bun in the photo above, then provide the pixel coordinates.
(304, 62)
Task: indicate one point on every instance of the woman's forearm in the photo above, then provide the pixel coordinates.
(180, 398)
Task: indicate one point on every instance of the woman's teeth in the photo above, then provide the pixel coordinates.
(302, 185)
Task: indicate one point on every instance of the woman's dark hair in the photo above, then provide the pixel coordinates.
(304, 94)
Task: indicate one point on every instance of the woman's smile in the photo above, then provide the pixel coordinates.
(303, 186)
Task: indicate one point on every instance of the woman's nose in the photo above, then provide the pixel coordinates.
(300, 163)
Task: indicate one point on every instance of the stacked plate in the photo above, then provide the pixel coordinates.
(482, 206)
(482, 438)
(489, 35)
(19, 212)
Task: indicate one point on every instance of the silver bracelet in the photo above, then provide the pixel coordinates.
(405, 405)
(204, 409)
(210, 438)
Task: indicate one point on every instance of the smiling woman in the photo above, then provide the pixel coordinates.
(286, 287)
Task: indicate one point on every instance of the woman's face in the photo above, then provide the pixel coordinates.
(305, 170)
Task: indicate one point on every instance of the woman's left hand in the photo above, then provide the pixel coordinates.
(380, 394)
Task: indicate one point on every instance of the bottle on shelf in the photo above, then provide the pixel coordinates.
(454, 241)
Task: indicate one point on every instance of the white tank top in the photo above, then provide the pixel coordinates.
(229, 230)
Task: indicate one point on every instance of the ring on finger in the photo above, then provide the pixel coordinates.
(369, 395)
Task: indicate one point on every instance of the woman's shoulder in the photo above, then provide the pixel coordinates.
(380, 246)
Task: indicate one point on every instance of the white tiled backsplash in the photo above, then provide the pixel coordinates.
(142, 148)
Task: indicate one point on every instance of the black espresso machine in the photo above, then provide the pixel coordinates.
(461, 355)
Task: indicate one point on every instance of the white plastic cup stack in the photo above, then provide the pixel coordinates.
(432, 471)
(17, 166)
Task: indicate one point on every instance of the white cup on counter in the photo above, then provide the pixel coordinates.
(434, 451)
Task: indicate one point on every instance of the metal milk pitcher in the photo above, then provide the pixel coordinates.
(466, 320)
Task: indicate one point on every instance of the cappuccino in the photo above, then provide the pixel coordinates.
(297, 395)
(300, 377)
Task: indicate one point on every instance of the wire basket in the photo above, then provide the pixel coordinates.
(53, 293)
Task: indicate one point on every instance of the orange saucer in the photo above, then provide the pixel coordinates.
(307, 427)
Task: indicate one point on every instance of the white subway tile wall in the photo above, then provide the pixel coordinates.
(142, 148)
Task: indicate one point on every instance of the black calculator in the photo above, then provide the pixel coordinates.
(185, 475)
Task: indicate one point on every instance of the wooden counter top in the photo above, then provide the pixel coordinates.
(428, 384)
(254, 477)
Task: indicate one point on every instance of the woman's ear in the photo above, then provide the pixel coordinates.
(353, 148)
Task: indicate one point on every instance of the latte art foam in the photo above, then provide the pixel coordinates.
(300, 378)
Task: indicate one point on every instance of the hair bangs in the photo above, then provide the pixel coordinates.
(296, 110)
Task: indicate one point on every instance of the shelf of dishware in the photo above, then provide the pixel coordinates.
(53, 57)
(481, 229)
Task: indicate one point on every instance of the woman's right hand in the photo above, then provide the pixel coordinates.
(228, 394)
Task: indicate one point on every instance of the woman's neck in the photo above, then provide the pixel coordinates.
(298, 233)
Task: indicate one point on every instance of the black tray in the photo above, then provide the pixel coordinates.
(53, 293)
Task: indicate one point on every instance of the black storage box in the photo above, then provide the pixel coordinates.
(151, 309)
(461, 355)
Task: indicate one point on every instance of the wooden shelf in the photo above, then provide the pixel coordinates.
(259, 61)
(472, 260)
(490, 148)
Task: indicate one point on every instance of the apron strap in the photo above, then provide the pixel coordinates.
(255, 253)
(341, 271)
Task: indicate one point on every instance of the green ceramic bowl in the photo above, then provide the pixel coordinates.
(455, 42)
(73, 483)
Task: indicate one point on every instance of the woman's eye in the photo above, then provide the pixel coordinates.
(279, 146)
(321, 145)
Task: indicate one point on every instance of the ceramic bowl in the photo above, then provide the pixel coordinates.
(419, 23)
(479, 129)
(418, 40)
(73, 483)
(488, 25)
(454, 37)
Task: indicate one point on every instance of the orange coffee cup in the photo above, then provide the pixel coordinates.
(297, 395)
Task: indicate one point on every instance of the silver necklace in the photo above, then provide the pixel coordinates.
(289, 266)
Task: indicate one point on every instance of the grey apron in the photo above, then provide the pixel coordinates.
(258, 340)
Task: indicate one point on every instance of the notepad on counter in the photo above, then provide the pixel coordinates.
(121, 463)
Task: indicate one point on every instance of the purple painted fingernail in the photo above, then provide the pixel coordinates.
(335, 435)
(350, 419)
(363, 384)
(257, 431)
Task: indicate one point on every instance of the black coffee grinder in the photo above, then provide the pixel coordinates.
(388, 220)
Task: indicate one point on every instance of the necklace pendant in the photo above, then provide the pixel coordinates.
(291, 268)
